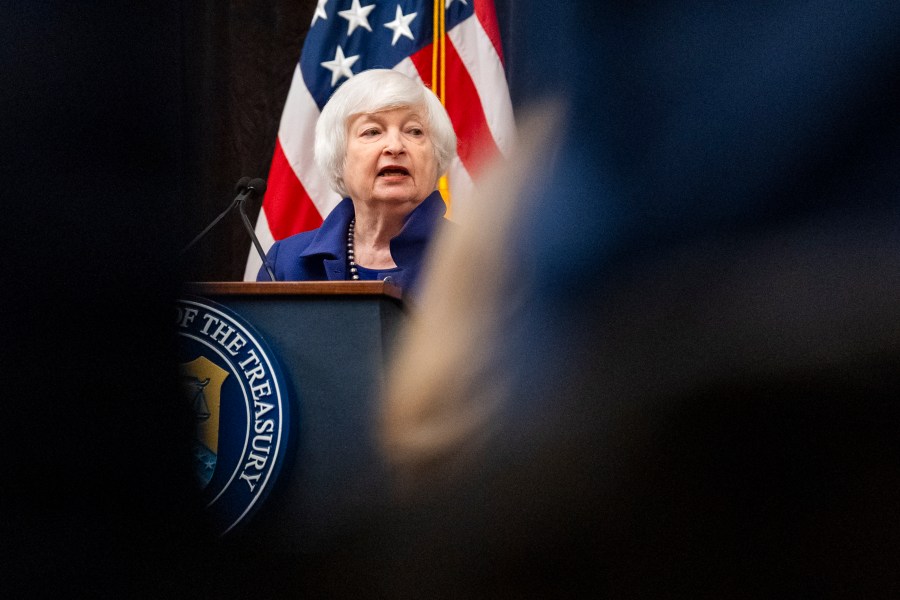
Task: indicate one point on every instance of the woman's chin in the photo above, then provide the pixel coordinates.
(400, 195)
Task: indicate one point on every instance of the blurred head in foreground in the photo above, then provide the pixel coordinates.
(663, 359)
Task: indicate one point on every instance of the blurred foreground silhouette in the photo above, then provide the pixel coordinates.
(664, 362)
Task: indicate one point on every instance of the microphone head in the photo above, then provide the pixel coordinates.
(241, 185)
(258, 185)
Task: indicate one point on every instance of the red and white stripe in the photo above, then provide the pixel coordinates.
(477, 99)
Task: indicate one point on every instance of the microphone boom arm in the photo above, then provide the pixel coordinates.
(241, 196)
(245, 188)
(262, 255)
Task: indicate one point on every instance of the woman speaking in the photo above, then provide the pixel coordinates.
(382, 140)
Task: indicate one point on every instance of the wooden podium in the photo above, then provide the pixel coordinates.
(332, 340)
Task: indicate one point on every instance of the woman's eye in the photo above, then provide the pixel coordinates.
(370, 132)
(416, 131)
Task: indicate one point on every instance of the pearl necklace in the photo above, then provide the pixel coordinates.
(354, 275)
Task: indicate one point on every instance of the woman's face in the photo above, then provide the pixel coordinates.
(390, 158)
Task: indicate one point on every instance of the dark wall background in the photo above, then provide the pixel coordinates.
(99, 503)
(239, 59)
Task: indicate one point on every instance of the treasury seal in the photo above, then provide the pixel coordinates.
(239, 396)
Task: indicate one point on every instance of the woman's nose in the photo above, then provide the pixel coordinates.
(393, 143)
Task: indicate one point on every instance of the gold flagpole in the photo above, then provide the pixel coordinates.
(439, 81)
(435, 45)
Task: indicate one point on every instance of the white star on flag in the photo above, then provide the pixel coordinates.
(400, 25)
(357, 16)
(320, 12)
(340, 66)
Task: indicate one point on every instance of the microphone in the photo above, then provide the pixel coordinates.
(241, 185)
(244, 188)
(254, 186)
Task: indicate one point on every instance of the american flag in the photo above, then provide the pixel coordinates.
(349, 36)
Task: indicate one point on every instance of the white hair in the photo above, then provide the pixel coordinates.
(373, 91)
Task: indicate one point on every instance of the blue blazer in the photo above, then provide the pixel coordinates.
(321, 254)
